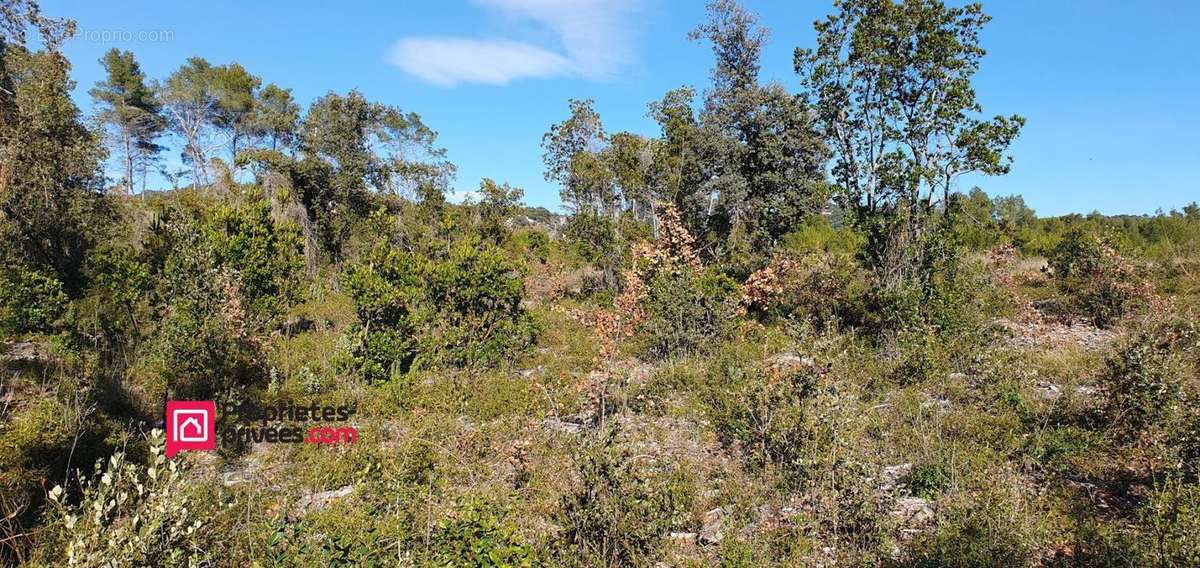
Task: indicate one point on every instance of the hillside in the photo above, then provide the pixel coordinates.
(753, 339)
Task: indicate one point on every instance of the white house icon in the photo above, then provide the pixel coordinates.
(190, 425)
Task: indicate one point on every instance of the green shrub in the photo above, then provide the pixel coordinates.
(478, 318)
(987, 527)
(769, 413)
(121, 292)
(596, 239)
(822, 289)
(944, 292)
(1143, 380)
(1169, 524)
(200, 344)
(622, 508)
(1079, 253)
(1099, 283)
(928, 480)
(463, 311)
(197, 355)
(1163, 532)
(385, 289)
(30, 300)
(817, 235)
(1185, 439)
(139, 514)
(478, 536)
(685, 313)
(923, 357)
(265, 255)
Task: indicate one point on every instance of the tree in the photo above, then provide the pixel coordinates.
(131, 110)
(1012, 213)
(891, 85)
(347, 148)
(277, 116)
(497, 203)
(680, 172)
(234, 91)
(767, 160)
(372, 145)
(628, 157)
(580, 157)
(50, 182)
(572, 153)
(737, 42)
(191, 101)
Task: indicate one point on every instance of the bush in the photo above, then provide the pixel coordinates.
(202, 338)
(622, 507)
(385, 288)
(478, 536)
(685, 313)
(139, 514)
(1169, 524)
(479, 319)
(1143, 379)
(464, 311)
(1185, 439)
(825, 290)
(596, 239)
(817, 235)
(266, 256)
(1100, 284)
(923, 357)
(988, 527)
(937, 290)
(1163, 533)
(30, 300)
(769, 413)
(119, 297)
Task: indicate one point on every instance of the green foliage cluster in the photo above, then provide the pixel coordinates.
(265, 254)
(32, 301)
(1146, 378)
(685, 313)
(618, 515)
(478, 536)
(463, 310)
(1098, 282)
(139, 513)
(770, 414)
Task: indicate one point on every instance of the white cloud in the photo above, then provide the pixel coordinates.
(449, 61)
(593, 36)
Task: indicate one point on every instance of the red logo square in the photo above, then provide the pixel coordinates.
(191, 426)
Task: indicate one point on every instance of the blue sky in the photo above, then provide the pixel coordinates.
(1109, 88)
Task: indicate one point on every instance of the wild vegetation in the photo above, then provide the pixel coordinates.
(773, 333)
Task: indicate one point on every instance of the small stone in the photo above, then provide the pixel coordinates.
(1085, 390)
(912, 511)
(318, 501)
(683, 537)
(713, 529)
(562, 426)
(1048, 390)
(789, 362)
(942, 404)
(892, 476)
